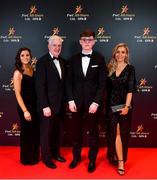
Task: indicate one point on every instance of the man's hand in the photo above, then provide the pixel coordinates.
(47, 112)
(72, 106)
(93, 108)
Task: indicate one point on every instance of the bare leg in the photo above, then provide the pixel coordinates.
(119, 151)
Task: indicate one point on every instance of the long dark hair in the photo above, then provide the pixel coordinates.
(18, 63)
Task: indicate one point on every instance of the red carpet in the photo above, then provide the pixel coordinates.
(141, 164)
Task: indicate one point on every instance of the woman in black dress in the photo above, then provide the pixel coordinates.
(121, 85)
(23, 79)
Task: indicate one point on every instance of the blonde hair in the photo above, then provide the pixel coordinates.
(112, 65)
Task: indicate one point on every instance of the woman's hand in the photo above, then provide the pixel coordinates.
(27, 116)
(124, 111)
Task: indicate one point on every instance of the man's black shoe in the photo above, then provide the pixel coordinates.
(60, 158)
(91, 166)
(50, 165)
(74, 163)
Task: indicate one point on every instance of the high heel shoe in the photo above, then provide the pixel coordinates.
(121, 171)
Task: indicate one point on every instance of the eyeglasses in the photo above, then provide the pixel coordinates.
(87, 39)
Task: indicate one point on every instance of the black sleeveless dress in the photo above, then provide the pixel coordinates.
(29, 138)
(117, 89)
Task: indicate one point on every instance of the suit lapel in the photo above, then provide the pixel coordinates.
(80, 65)
(62, 68)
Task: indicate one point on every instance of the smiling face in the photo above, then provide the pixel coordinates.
(121, 54)
(55, 47)
(25, 57)
(87, 43)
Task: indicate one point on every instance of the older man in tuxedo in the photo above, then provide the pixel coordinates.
(50, 101)
(85, 87)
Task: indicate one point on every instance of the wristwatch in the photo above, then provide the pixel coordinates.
(127, 106)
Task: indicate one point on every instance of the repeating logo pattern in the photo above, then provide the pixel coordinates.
(78, 17)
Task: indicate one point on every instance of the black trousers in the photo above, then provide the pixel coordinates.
(51, 131)
(78, 121)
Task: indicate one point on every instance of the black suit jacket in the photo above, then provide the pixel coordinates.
(49, 86)
(86, 89)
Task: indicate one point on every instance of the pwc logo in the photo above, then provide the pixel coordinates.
(102, 35)
(78, 14)
(124, 9)
(143, 86)
(11, 31)
(145, 36)
(13, 131)
(78, 9)
(55, 31)
(139, 132)
(32, 14)
(123, 14)
(33, 10)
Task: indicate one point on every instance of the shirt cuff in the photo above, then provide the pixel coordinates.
(72, 101)
(95, 104)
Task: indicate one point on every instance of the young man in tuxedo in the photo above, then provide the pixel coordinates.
(50, 101)
(85, 87)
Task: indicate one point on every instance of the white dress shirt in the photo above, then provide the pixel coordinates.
(57, 64)
(85, 63)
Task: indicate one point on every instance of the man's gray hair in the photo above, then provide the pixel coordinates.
(54, 37)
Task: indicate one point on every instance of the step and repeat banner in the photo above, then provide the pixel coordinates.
(30, 23)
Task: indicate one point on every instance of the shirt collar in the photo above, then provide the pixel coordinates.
(51, 55)
(87, 53)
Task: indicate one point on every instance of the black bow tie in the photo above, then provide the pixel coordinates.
(55, 58)
(86, 55)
